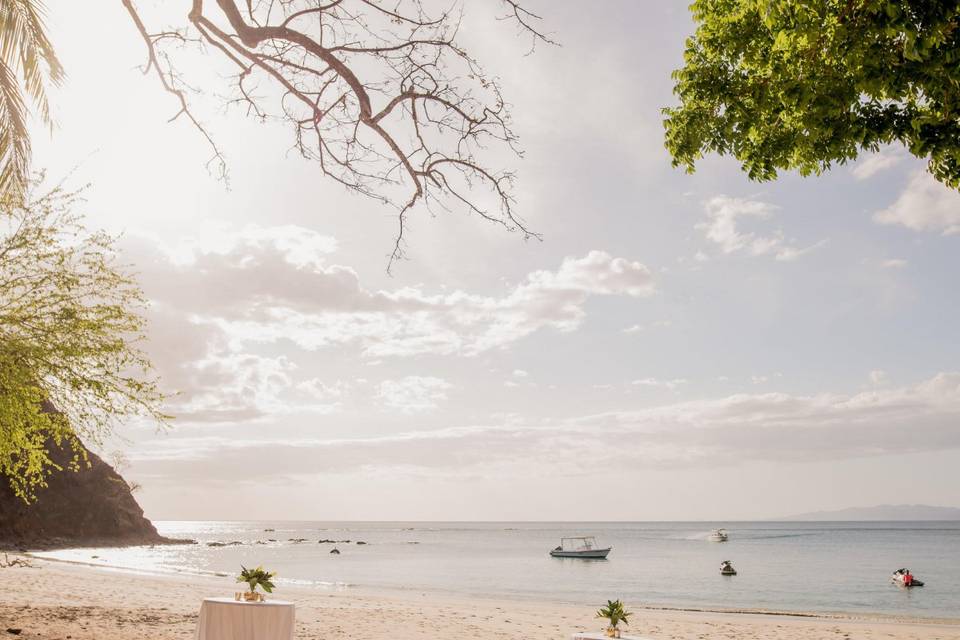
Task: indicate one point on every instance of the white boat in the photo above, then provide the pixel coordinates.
(580, 547)
(718, 535)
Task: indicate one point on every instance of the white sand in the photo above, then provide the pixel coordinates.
(57, 601)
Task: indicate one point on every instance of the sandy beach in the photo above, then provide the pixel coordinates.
(60, 601)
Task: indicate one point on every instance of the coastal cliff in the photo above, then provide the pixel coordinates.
(90, 507)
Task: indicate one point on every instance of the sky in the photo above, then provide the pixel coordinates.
(676, 347)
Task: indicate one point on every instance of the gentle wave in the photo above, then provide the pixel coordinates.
(783, 567)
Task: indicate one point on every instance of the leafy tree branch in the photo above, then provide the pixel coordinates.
(71, 325)
(793, 85)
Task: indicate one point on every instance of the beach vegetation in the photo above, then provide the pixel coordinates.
(794, 85)
(615, 613)
(71, 325)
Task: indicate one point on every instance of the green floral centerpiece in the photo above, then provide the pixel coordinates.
(614, 613)
(254, 578)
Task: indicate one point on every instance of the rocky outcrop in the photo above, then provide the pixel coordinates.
(90, 507)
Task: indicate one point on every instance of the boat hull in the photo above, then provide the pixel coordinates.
(901, 583)
(589, 554)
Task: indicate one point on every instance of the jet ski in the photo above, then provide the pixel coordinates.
(903, 578)
(718, 535)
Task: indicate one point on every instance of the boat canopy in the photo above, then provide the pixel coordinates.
(578, 543)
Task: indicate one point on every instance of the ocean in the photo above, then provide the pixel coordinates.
(820, 567)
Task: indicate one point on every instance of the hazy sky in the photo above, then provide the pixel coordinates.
(677, 347)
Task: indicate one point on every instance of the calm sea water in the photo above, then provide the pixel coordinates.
(783, 566)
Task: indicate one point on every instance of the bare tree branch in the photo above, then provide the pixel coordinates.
(170, 84)
(379, 93)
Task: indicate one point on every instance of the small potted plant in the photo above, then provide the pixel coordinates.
(254, 578)
(614, 613)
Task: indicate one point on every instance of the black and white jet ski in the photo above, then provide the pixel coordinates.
(903, 578)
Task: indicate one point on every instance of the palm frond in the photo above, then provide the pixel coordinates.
(26, 56)
(14, 137)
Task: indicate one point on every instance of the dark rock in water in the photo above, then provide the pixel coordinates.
(361, 542)
(296, 540)
(91, 507)
(335, 551)
(269, 529)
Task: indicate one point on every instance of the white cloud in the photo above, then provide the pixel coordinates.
(874, 164)
(760, 426)
(925, 205)
(256, 290)
(218, 307)
(234, 388)
(655, 382)
(723, 228)
(723, 212)
(320, 390)
(413, 394)
(788, 254)
(894, 263)
(656, 324)
(878, 376)
(763, 379)
(517, 376)
(300, 246)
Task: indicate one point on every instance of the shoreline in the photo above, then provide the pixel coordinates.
(55, 599)
(416, 594)
(92, 543)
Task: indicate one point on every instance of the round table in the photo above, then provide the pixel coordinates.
(228, 619)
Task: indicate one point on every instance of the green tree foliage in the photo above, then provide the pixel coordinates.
(28, 65)
(70, 329)
(790, 84)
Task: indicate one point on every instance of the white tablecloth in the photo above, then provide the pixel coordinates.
(227, 619)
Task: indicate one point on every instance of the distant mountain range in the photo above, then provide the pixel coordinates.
(883, 512)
